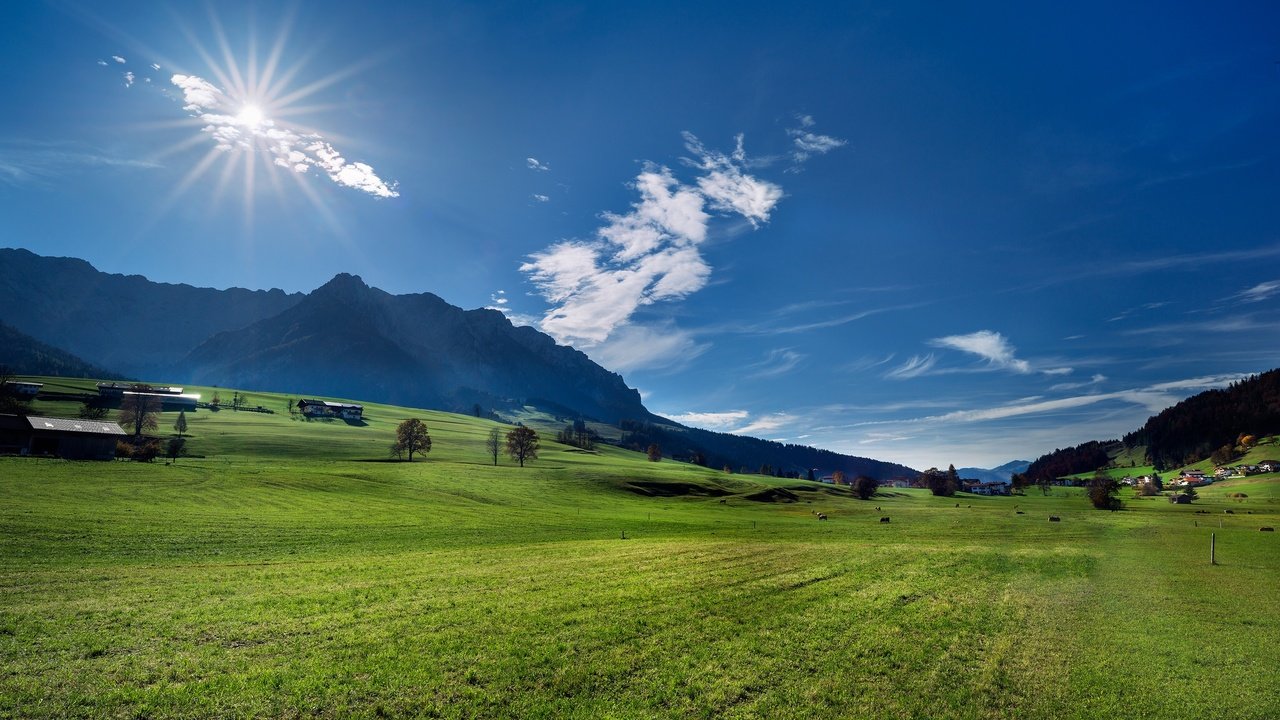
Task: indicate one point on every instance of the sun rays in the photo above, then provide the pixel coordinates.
(251, 115)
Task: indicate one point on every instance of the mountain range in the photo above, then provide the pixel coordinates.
(345, 340)
(996, 474)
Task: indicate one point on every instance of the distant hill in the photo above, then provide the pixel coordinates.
(126, 322)
(1180, 435)
(997, 474)
(1191, 430)
(750, 454)
(24, 355)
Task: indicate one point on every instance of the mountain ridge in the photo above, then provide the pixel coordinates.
(347, 339)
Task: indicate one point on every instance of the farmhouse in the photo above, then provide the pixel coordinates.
(324, 408)
(70, 439)
(23, 390)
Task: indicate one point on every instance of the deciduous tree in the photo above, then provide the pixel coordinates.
(494, 444)
(1103, 491)
(522, 444)
(939, 482)
(412, 437)
(865, 487)
(180, 425)
(139, 412)
(654, 453)
(176, 447)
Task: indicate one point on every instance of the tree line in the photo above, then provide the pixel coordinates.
(413, 437)
(1197, 427)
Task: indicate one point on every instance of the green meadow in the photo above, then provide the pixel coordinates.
(294, 571)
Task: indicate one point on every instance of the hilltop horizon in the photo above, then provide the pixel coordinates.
(340, 284)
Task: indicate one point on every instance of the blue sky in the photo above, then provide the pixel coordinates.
(929, 235)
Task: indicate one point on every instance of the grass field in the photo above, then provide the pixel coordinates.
(294, 572)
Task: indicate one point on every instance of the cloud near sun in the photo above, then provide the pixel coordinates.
(233, 127)
(649, 254)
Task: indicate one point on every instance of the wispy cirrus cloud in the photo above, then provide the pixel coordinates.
(648, 347)
(914, 367)
(710, 420)
(765, 423)
(806, 143)
(1097, 379)
(1129, 312)
(533, 164)
(777, 362)
(23, 162)
(988, 345)
(649, 254)
(1153, 398)
(1258, 293)
(236, 126)
(541, 198)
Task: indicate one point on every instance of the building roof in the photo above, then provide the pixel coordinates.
(92, 427)
(326, 403)
(142, 387)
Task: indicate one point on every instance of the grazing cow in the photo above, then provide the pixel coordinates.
(1229, 512)
(1054, 518)
(1021, 513)
(1266, 529)
(884, 519)
(721, 501)
(877, 507)
(822, 516)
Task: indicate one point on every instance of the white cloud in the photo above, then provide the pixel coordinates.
(1058, 371)
(915, 366)
(807, 143)
(1095, 380)
(727, 188)
(155, 66)
(1259, 292)
(779, 361)
(711, 420)
(23, 162)
(233, 128)
(988, 345)
(641, 347)
(540, 198)
(128, 79)
(118, 59)
(1153, 397)
(765, 424)
(103, 63)
(648, 254)
(533, 164)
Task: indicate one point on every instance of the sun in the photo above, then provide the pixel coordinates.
(250, 116)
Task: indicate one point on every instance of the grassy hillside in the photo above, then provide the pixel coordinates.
(292, 571)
